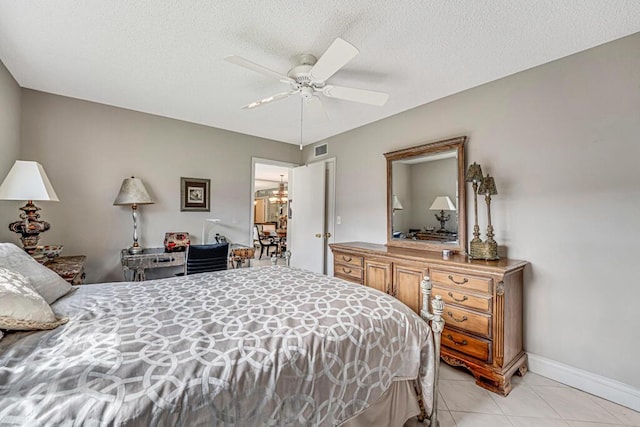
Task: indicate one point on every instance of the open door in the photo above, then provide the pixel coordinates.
(306, 236)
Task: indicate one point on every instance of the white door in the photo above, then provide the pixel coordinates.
(305, 233)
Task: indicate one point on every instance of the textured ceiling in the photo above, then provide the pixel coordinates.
(166, 57)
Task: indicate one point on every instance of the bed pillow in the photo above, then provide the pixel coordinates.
(47, 283)
(21, 307)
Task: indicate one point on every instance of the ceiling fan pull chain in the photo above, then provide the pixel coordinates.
(301, 120)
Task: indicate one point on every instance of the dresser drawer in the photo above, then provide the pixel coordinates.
(465, 299)
(460, 318)
(474, 347)
(348, 272)
(348, 259)
(461, 281)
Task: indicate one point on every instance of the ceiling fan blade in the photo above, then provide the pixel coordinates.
(272, 98)
(356, 95)
(314, 110)
(339, 53)
(238, 60)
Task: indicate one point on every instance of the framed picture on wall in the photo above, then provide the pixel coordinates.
(194, 194)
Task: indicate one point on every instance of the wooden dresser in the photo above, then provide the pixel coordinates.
(483, 302)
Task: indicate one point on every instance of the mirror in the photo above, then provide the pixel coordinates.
(426, 203)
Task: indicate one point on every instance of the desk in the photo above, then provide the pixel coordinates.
(70, 268)
(149, 258)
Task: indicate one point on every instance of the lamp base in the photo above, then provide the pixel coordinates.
(29, 226)
(135, 250)
(483, 250)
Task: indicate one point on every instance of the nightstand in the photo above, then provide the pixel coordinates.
(70, 268)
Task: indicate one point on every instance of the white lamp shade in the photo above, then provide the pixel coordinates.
(133, 192)
(27, 180)
(442, 203)
(395, 203)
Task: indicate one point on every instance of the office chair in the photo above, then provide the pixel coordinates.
(205, 258)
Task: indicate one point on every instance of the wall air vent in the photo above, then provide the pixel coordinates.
(320, 150)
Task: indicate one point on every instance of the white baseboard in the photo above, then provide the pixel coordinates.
(612, 390)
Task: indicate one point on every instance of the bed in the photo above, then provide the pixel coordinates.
(263, 346)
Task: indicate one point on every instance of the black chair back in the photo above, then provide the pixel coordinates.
(205, 258)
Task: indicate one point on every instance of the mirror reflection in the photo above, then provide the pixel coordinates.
(426, 196)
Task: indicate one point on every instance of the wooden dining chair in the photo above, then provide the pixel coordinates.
(266, 241)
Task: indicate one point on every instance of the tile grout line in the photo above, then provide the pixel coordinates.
(547, 402)
(574, 390)
(595, 399)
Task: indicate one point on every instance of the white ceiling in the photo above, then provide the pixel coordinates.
(268, 176)
(166, 57)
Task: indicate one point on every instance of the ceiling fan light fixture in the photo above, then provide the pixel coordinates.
(309, 76)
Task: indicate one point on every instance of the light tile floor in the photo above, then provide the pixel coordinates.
(534, 401)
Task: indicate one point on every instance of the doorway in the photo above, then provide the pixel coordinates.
(312, 222)
(269, 207)
(299, 235)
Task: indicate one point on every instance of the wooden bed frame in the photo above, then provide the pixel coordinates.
(434, 318)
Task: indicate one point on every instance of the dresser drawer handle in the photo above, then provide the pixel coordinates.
(346, 270)
(464, 342)
(465, 280)
(464, 298)
(346, 259)
(463, 319)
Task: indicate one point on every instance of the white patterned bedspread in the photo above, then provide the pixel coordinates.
(265, 346)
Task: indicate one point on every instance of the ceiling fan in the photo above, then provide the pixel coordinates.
(309, 78)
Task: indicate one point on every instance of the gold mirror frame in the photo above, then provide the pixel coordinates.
(456, 144)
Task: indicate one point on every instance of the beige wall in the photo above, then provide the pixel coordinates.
(87, 149)
(562, 141)
(9, 143)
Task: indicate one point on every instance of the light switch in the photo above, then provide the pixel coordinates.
(338, 220)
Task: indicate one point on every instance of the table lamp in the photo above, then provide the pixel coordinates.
(206, 229)
(395, 204)
(488, 188)
(474, 175)
(27, 180)
(133, 192)
(442, 203)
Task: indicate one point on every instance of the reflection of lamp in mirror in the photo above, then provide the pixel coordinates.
(134, 193)
(28, 181)
(395, 204)
(442, 203)
(488, 188)
(474, 175)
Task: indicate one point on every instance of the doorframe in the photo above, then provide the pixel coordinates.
(252, 193)
(330, 211)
